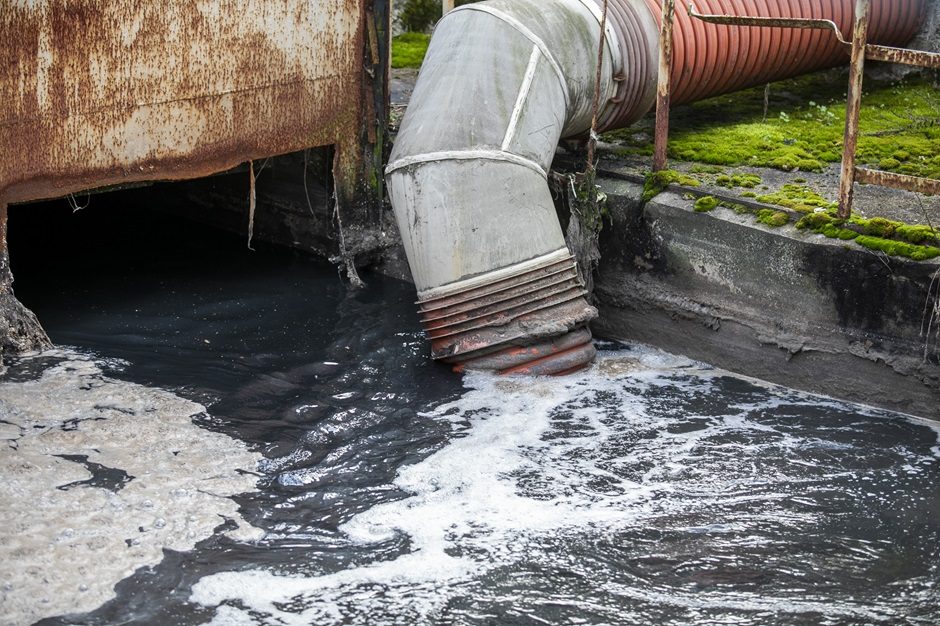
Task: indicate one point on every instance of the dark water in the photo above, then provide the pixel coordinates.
(648, 490)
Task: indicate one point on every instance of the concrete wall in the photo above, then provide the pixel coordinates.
(796, 309)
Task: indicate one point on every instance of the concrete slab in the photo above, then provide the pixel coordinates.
(779, 304)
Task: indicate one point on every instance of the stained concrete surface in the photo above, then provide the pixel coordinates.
(779, 304)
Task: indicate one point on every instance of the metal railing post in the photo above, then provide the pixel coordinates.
(860, 50)
(663, 87)
(853, 107)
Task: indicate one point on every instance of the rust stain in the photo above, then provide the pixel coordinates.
(897, 181)
(532, 323)
(104, 92)
(903, 56)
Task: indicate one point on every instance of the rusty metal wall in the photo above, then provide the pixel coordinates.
(104, 92)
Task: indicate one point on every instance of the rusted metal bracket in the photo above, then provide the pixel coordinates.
(873, 52)
(897, 181)
(860, 50)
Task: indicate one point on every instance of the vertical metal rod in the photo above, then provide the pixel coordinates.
(446, 5)
(853, 106)
(595, 104)
(663, 88)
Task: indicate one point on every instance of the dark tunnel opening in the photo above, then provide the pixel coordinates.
(164, 273)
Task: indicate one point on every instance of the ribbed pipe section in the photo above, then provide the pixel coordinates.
(710, 59)
(497, 325)
(502, 82)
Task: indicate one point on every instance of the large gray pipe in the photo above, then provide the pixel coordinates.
(502, 82)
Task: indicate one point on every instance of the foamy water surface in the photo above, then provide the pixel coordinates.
(239, 439)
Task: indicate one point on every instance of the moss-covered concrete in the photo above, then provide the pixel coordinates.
(769, 300)
(802, 127)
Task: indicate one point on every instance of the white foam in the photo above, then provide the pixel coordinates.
(64, 545)
(536, 458)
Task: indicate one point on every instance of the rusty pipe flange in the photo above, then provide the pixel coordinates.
(533, 321)
(559, 355)
(637, 33)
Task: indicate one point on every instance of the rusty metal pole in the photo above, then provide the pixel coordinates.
(663, 88)
(595, 103)
(853, 106)
(446, 5)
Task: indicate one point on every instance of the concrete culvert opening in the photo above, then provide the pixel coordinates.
(87, 251)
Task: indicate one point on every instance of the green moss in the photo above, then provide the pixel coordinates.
(898, 248)
(698, 168)
(836, 232)
(890, 164)
(917, 234)
(408, 49)
(740, 209)
(899, 129)
(877, 226)
(772, 218)
(748, 181)
(705, 204)
(797, 197)
(748, 194)
(656, 182)
(814, 221)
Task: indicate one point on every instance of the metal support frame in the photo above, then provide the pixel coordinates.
(859, 49)
(663, 87)
(853, 107)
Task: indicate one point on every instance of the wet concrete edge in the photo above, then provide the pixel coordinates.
(776, 304)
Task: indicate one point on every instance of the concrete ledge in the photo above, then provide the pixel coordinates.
(779, 304)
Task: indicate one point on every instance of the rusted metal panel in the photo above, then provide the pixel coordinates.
(897, 181)
(103, 92)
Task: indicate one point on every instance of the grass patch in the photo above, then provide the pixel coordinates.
(900, 127)
(408, 49)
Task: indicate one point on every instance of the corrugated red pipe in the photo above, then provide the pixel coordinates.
(710, 59)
